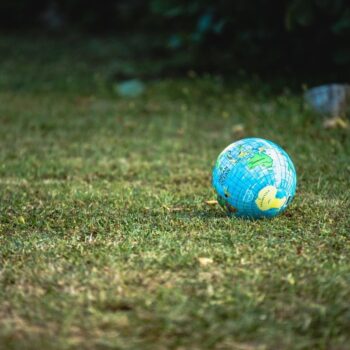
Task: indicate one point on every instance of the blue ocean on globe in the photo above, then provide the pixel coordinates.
(254, 178)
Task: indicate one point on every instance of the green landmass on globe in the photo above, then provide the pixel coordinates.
(260, 159)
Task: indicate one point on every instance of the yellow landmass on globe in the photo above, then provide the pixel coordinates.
(267, 199)
(242, 154)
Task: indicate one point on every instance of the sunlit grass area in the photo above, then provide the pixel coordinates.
(106, 239)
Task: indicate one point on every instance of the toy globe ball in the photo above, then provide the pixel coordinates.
(254, 178)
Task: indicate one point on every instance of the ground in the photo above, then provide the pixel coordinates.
(106, 239)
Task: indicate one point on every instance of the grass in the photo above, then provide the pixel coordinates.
(106, 241)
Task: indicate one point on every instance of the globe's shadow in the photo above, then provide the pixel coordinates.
(202, 214)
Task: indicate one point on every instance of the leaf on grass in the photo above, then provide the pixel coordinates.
(333, 123)
(238, 129)
(290, 279)
(205, 261)
(299, 249)
(212, 202)
(173, 209)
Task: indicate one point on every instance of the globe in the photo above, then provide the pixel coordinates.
(254, 178)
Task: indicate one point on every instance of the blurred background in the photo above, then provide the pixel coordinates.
(304, 40)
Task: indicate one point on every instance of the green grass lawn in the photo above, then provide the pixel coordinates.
(106, 241)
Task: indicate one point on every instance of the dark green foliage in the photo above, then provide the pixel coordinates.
(302, 34)
(20, 13)
(266, 35)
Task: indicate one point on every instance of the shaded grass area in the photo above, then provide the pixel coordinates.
(104, 225)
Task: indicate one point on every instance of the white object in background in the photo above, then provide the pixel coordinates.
(332, 100)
